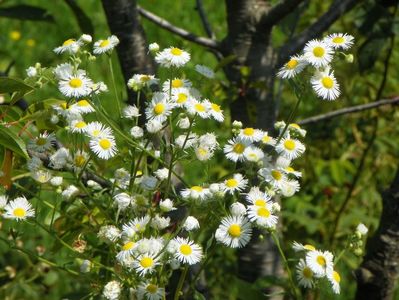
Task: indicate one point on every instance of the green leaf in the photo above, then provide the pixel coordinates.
(11, 85)
(11, 141)
(44, 104)
(26, 12)
(246, 290)
(83, 20)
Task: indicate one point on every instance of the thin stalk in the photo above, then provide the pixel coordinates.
(111, 68)
(180, 284)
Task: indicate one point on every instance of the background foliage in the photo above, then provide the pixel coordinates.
(348, 162)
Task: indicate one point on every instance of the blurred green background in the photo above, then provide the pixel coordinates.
(343, 154)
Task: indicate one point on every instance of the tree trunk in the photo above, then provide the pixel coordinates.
(123, 21)
(377, 274)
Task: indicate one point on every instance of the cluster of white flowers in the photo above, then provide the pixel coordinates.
(316, 266)
(319, 54)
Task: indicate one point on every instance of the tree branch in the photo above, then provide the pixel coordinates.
(203, 41)
(278, 12)
(204, 20)
(336, 10)
(348, 110)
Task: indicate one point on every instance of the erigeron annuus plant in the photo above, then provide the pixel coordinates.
(143, 182)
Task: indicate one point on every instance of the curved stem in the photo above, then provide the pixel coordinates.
(180, 284)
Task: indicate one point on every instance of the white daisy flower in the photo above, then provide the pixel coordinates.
(162, 174)
(172, 57)
(256, 197)
(187, 252)
(320, 262)
(137, 225)
(122, 200)
(267, 139)
(339, 40)
(325, 85)
(290, 187)
(200, 108)
(81, 107)
(176, 83)
(186, 141)
(203, 153)
(107, 45)
(262, 216)
(290, 148)
(138, 81)
(112, 290)
(216, 112)
(103, 147)
(153, 47)
(293, 127)
(250, 134)
(181, 96)
(151, 246)
(150, 291)
(145, 264)
(70, 46)
(98, 130)
(238, 209)
(191, 223)
(205, 71)
(166, 205)
(318, 53)
(86, 38)
(42, 143)
(253, 154)
(334, 278)
(75, 86)
(19, 209)
(109, 233)
(154, 126)
(234, 231)
(291, 171)
(276, 177)
(63, 71)
(295, 65)
(236, 183)
(127, 250)
(298, 247)
(137, 132)
(235, 148)
(159, 108)
(131, 112)
(304, 275)
(79, 159)
(160, 223)
(41, 176)
(78, 126)
(196, 192)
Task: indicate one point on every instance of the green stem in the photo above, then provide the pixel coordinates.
(118, 105)
(180, 284)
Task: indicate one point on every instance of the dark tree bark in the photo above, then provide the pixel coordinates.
(377, 274)
(123, 21)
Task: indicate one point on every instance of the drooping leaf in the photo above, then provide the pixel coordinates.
(84, 21)
(11, 141)
(26, 12)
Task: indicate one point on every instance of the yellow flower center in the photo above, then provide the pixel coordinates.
(75, 83)
(145, 78)
(295, 125)
(266, 139)
(327, 82)
(199, 107)
(216, 107)
(248, 131)
(146, 262)
(260, 202)
(318, 51)
(336, 276)
(104, 43)
(127, 246)
(231, 183)
(177, 83)
(309, 247)
(176, 51)
(80, 124)
(181, 98)
(68, 42)
(263, 212)
(105, 144)
(159, 108)
(202, 151)
(151, 288)
(95, 132)
(307, 272)
(80, 160)
(197, 188)
(321, 260)
(64, 105)
(289, 169)
(235, 230)
(292, 64)
(41, 141)
(276, 174)
(289, 145)
(19, 212)
(185, 249)
(83, 103)
(338, 40)
(238, 148)
(30, 42)
(15, 35)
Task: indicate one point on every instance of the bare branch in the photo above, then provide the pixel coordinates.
(348, 110)
(278, 12)
(204, 19)
(203, 41)
(336, 10)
